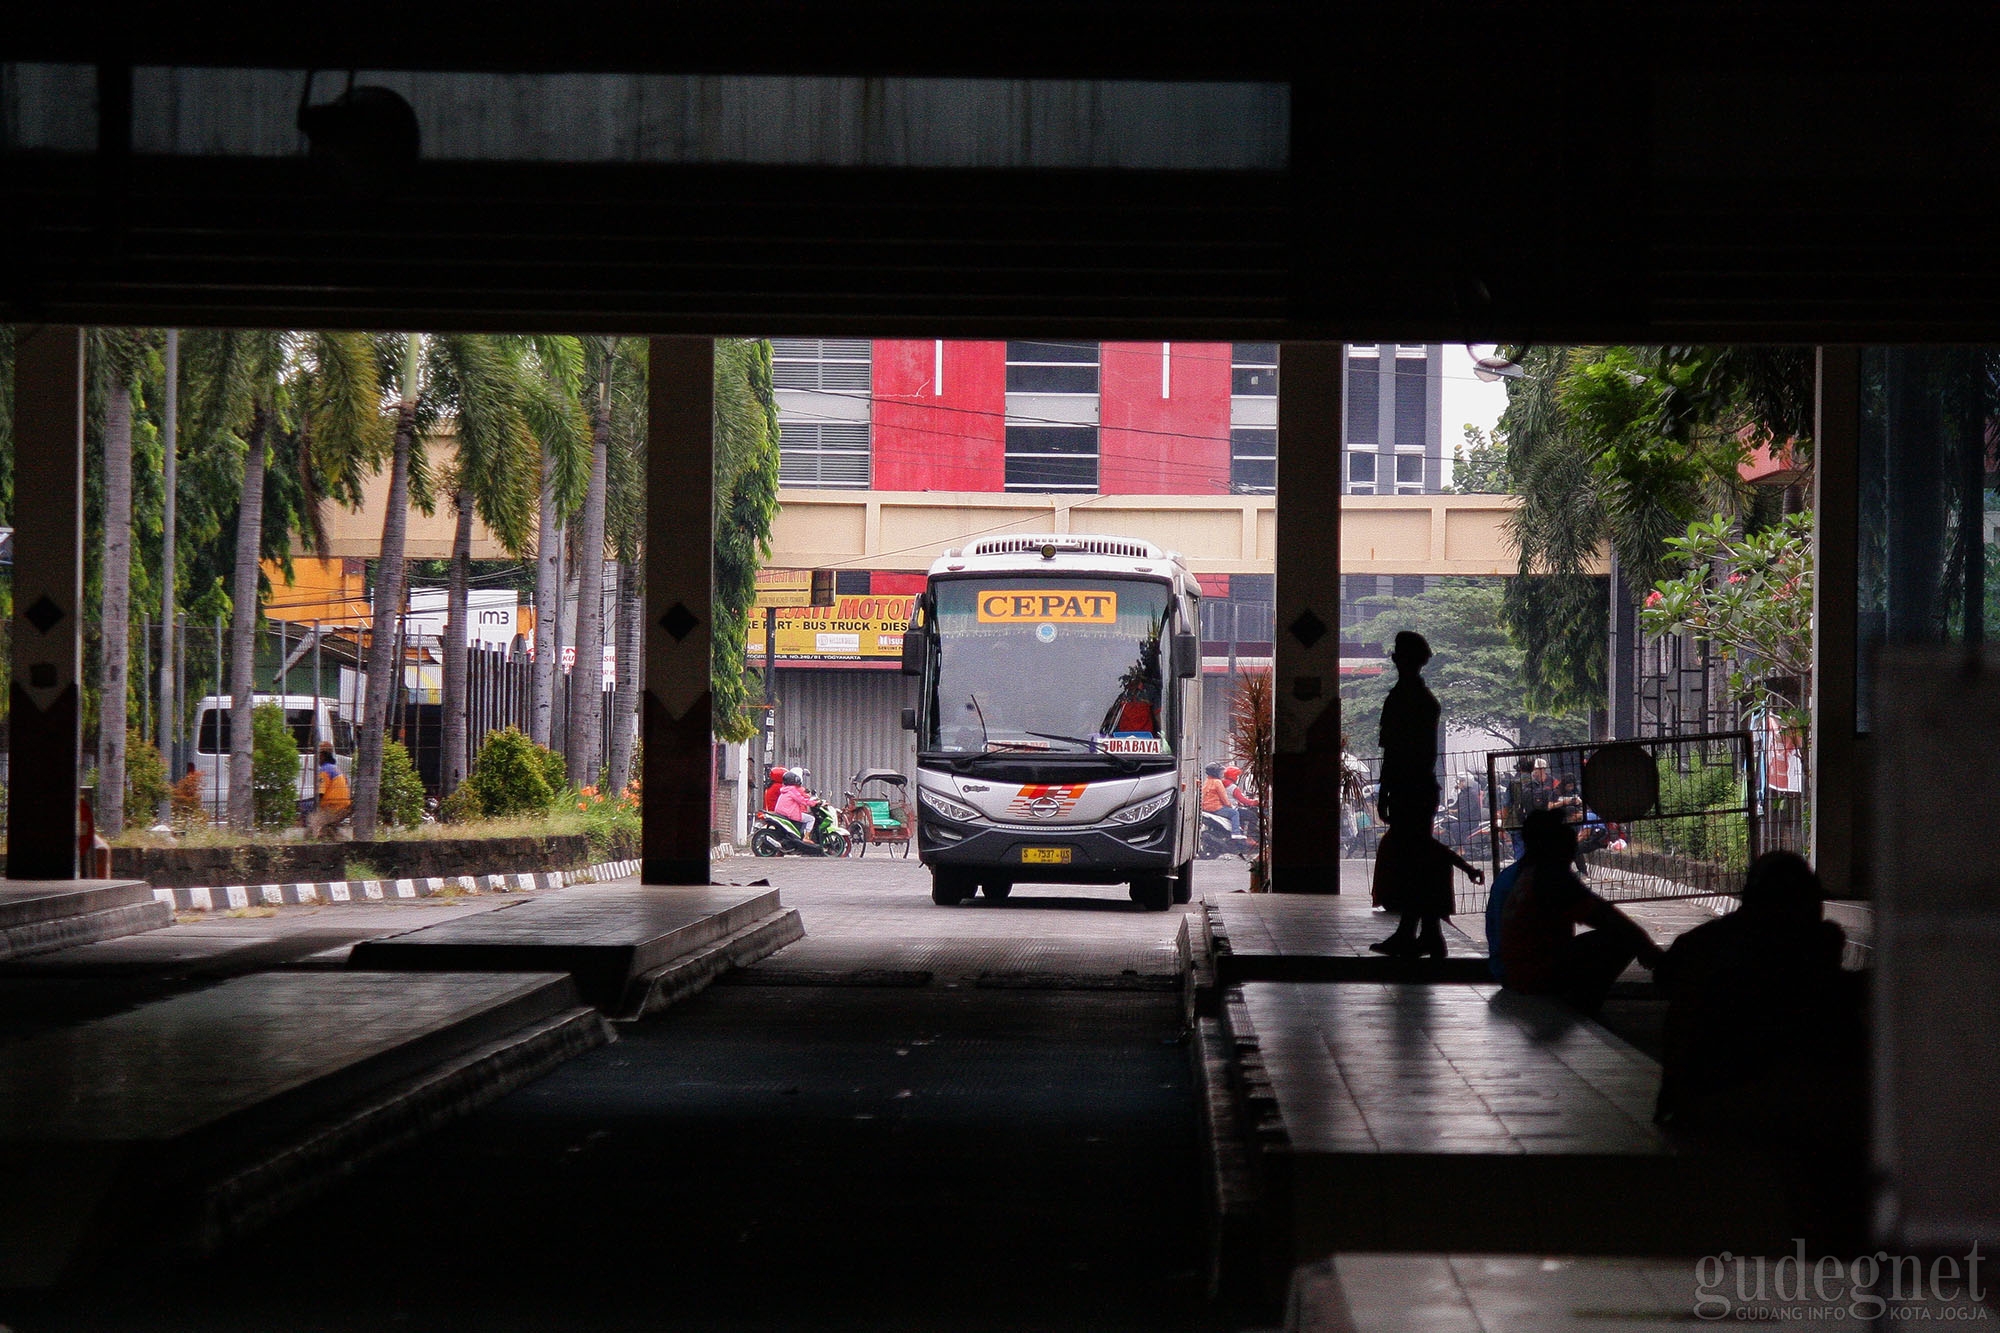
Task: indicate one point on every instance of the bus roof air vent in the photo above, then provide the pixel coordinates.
(1125, 548)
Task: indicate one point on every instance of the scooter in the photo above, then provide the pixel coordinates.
(777, 836)
(1218, 841)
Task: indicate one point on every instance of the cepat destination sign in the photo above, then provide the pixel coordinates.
(1068, 607)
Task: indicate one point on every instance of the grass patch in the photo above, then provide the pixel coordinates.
(360, 870)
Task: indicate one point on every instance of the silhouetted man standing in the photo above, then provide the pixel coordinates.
(1408, 801)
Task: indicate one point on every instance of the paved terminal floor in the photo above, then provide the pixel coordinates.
(977, 1117)
(1009, 1142)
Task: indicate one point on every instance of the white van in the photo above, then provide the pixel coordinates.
(312, 719)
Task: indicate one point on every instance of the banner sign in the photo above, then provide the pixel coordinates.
(866, 630)
(794, 587)
(1066, 607)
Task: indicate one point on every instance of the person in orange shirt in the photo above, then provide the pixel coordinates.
(335, 803)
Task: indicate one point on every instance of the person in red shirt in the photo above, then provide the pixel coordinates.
(773, 781)
(1540, 951)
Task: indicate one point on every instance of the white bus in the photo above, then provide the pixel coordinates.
(1057, 717)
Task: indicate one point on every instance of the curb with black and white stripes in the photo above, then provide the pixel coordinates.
(240, 896)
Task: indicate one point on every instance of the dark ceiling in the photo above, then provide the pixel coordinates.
(1463, 171)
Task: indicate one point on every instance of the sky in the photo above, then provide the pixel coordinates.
(1466, 397)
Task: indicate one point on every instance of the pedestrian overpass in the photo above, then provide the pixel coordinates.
(1217, 534)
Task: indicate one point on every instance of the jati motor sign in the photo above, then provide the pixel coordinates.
(862, 629)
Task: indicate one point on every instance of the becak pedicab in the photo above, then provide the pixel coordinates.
(878, 814)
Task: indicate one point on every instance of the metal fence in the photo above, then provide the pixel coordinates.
(1714, 817)
(1696, 842)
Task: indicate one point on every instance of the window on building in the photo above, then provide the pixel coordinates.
(1364, 399)
(1051, 458)
(828, 455)
(1051, 367)
(1411, 352)
(1355, 589)
(1361, 474)
(820, 363)
(1253, 370)
(1409, 474)
(1408, 585)
(1412, 400)
(1253, 460)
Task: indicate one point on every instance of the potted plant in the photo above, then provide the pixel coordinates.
(1250, 741)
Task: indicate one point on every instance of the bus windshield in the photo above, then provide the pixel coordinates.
(1069, 664)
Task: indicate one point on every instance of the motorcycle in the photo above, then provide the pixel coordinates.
(1218, 841)
(778, 836)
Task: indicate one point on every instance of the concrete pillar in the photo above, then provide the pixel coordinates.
(1838, 792)
(680, 546)
(1305, 668)
(48, 592)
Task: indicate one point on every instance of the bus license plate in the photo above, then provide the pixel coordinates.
(1045, 856)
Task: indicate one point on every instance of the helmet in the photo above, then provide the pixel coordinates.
(776, 775)
(805, 776)
(1213, 770)
(791, 778)
(1231, 773)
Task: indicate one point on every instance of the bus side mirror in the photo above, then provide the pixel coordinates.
(909, 719)
(1187, 656)
(913, 653)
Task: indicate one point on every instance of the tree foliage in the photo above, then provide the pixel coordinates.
(1750, 597)
(1625, 447)
(1476, 670)
(746, 499)
(1479, 465)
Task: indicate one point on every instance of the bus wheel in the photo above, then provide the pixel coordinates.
(1155, 893)
(1184, 882)
(948, 889)
(996, 889)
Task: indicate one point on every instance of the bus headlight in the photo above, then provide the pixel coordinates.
(1139, 810)
(947, 807)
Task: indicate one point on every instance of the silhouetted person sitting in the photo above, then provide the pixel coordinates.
(1540, 951)
(1407, 798)
(1757, 991)
(1766, 1045)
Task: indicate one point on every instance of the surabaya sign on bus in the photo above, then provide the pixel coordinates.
(1065, 607)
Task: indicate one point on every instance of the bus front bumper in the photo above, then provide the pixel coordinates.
(1100, 854)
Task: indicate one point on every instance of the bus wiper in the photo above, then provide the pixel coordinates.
(1126, 763)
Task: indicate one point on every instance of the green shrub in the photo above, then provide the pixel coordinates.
(1689, 830)
(274, 767)
(611, 823)
(462, 806)
(510, 775)
(402, 799)
(555, 771)
(146, 786)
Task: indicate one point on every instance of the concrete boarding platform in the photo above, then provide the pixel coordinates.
(180, 1123)
(39, 915)
(1460, 1117)
(609, 939)
(1325, 937)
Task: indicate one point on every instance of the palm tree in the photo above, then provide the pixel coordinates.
(586, 720)
(118, 353)
(409, 476)
(316, 390)
(565, 463)
(505, 401)
(625, 527)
